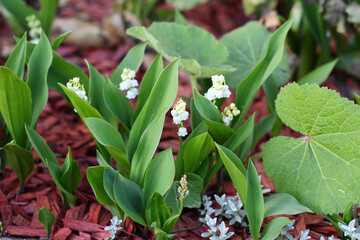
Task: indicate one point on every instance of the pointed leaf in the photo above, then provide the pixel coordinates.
(47, 218)
(95, 176)
(157, 210)
(273, 228)
(59, 40)
(283, 203)
(16, 60)
(71, 174)
(319, 74)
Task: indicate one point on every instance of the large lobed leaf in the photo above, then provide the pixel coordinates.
(201, 54)
(322, 169)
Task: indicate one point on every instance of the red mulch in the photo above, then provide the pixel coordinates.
(61, 127)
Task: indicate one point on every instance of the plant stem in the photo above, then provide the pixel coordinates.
(256, 156)
(193, 83)
(186, 229)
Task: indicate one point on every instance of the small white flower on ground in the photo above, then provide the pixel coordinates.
(219, 89)
(113, 228)
(329, 238)
(74, 85)
(182, 132)
(179, 112)
(350, 230)
(266, 190)
(129, 84)
(229, 113)
(304, 235)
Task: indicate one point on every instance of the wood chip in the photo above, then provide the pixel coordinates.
(62, 234)
(25, 231)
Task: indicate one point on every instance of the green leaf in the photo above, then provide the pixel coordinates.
(263, 127)
(357, 98)
(201, 55)
(241, 134)
(180, 19)
(147, 145)
(83, 108)
(319, 74)
(47, 218)
(38, 67)
(128, 196)
(172, 200)
(195, 187)
(183, 5)
(196, 151)
(109, 137)
(70, 173)
(254, 204)
(250, 85)
(96, 95)
(95, 176)
(49, 159)
(195, 116)
(19, 9)
(283, 203)
(59, 40)
(236, 170)
(273, 228)
(16, 61)
(157, 210)
(47, 14)
(153, 181)
(161, 99)
(117, 103)
(148, 82)
(132, 60)
(109, 181)
(15, 105)
(21, 160)
(324, 164)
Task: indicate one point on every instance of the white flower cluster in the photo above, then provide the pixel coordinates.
(230, 208)
(284, 235)
(113, 228)
(229, 113)
(215, 229)
(74, 84)
(129, 83)
(35, 28)
(350, 230)
(180, 114)
(219, 89)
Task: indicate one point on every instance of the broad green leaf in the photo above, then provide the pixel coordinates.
(15, 105)
(148, 82)
(109, 181)
(172, 198)
(195, 187)
(161, 99)
(319, 74)
(283, 203)
(250, 85)
(70, 173)
(47, 218)
(83, 108)
(47, 14)
(196, 151)
(273, 228)
(128, 196)
(49, 159)
(132, 60)
(236, 170)
(21, 160)
(16, 60)
(241, 134)
(157, 210)
(117, 103)
(95, 176)
(183, 5)
(57, 74)
(96, 95)
(324, 163)
(38, 67)
(201, 55)
(19, 9)
(247, 46)
(109, 137)
(58, 41)
(163, 163)
(254, 204)
(147, 145)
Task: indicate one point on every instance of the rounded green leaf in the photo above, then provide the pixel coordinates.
(322, 169)
(47, 218)
(200, 53)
